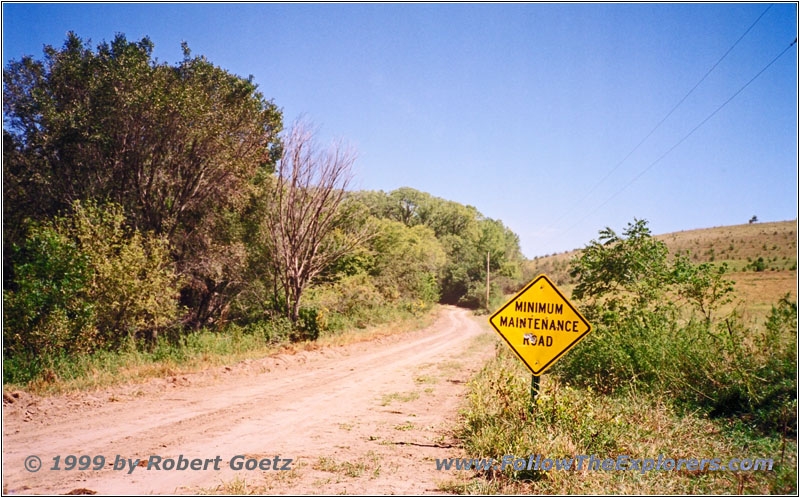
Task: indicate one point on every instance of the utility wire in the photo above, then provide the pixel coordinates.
(679, 142)
(658, 125)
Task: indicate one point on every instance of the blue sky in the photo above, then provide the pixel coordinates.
(516, 109)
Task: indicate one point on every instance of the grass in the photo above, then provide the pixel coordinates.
(449, 367)
(194, 352)
(237, 486)
(369, 465)
(241, 486)
(736, 245)
(404, 397)
(569, 420)
(680, 389)
(425, 379)
(647, 385)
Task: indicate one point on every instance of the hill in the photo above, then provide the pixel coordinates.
(740, 246)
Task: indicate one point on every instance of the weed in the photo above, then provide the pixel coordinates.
(369, 464)
(387, 399)
(450, 367)
(425, 379)
(173, 355)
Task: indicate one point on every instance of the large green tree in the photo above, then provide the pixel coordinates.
(466, 237)
(182, 148)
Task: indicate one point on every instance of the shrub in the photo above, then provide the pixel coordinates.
(134, 286)
(47, 309)
(274, 331)
(642, 342)
(758, 265)
(83, 282)
(729, 369)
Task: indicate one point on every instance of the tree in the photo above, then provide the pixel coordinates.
(180, 147)
(633, 276)
(465, 235)
(625, 274)
(309, 223)
(703, 285)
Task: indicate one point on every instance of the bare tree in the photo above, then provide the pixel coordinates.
(309, 224)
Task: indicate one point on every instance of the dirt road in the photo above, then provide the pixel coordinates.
(369, 417)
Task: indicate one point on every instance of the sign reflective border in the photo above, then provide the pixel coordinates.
(539, 324)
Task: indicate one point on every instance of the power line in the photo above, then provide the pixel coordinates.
(679, 142)
(658, 125)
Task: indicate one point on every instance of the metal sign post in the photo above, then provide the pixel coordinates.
(534, 392)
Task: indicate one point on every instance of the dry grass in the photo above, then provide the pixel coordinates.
(132, 367)
(570, 421)
(736, 245)
(369, 465)
(267, 484)
(404, 397)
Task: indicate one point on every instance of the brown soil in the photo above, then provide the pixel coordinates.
(366, 418)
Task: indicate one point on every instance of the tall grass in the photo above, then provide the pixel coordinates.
(644, 388)
(178, 352)
(569, 420)
(725, 368)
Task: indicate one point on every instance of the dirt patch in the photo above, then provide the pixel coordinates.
(345, 416)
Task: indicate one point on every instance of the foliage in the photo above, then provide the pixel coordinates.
(571, 418)
(703, 286)
(179, 147)
(309, 224)
(620, 274)
(727, 368)
(406, 261)
(145, 200)
(631, 290)
(133, 287)
(466, 237)
(630, 276)
(138, 359)
(84, 281)
(46, 308)
(758, 264)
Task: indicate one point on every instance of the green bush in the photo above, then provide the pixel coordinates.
(47, 308)
(274, 331)
(643, 341)
(84, 282)
(727, 368)
(758, 265)
(134, 287)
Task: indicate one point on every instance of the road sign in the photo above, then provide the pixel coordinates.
(540, 324)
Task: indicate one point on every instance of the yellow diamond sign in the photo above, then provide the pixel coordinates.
(540, 324)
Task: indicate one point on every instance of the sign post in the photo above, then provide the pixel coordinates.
(534, 392)
(540, 325)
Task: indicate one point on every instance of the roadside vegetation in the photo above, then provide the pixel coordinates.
(671, 368)
(162, 215)
(761, 259)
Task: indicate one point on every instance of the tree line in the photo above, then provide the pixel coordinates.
(143, 198)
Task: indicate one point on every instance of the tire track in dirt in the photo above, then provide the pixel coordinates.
(336, 412)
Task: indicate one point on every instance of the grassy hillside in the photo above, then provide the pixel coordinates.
(655, 376)
(740, 246)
